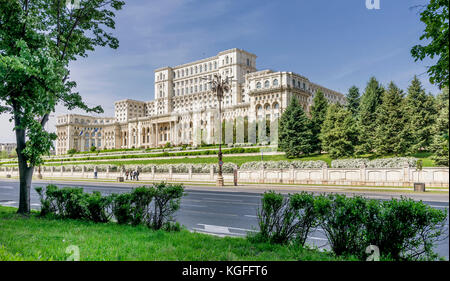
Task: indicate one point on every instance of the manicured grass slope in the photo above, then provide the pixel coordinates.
(426, 158)
(35, 238)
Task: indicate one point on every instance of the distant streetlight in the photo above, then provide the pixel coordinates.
(220, 86)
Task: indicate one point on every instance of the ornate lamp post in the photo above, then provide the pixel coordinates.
(220, 87)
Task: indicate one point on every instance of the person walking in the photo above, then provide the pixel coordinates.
(127, 172)
(137, 174)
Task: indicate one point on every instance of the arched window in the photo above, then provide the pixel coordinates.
(276, 106)
(293, 82)
(266, 84)
(275, 82)
(226, 59)
(258, 85)
(267, 107)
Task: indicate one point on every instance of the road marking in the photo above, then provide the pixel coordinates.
(189, 205)
(237, 228)
(317, 238)
(210, 213)
(7, 187)
(250, 216)
(8, 202)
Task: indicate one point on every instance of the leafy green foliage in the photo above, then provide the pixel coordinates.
(366, 121)
(38, 40)
(440, 142)
(402, 229)
(435, 17)
(318, 113)
(295, 131)
(283, 220)
(152, 206)
(339, 134)
(353, 100)
(391, 134)
(343, 220)
(421, 114)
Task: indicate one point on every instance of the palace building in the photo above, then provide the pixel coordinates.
(185, 110)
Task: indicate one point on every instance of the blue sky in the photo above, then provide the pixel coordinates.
(336, 43)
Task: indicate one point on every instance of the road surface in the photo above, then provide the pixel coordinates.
(223, 212)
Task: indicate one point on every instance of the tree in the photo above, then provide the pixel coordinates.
(440, 143)
(366, 118)
(38, 39)
(318, 113)
(421, 113)
(391, 132)
(435, 17)
(339, 134)
(295, 132)
(353, 100)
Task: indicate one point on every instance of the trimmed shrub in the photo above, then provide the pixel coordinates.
(256, 165)
(404, 229)
(99, 207)
(121, 208)
(285, 219)
(396, 162)
(343, 220)
(167, 199)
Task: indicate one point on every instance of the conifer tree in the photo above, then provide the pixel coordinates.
(440, 142)
(339, 133)
(318, 113)
(421, 114)
(295, 134)
(392, 136)
(366, 120)
(353, 100)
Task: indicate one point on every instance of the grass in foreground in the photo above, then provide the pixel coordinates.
(34, 238)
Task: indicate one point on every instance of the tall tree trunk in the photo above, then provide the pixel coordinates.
(25, 172)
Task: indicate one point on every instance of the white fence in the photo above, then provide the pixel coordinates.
(436, 177)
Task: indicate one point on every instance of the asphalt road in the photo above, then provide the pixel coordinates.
(213, 211)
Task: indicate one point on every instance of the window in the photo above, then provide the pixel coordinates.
(248, 62)
(266, 84)
(293, 82)
(215, 65)
(258, 85)
(276, 106)
(275, 82)
(227, 59)
(200, 68)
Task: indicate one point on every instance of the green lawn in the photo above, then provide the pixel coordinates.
(34, 238)
(425, 156)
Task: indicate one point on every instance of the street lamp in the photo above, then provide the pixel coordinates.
(220, 86)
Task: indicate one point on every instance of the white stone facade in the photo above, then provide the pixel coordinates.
(185, 109)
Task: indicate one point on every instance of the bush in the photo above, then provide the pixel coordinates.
(404, 229)
(297, 164)
(140, 199)
(121, 208)
(284, 219)
(396, 162)
(65, 202)
(167, 199)
(99, 207)
(343, 220)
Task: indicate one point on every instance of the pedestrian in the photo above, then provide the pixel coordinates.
(126, 174)
(137, 174)
(95, 172)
